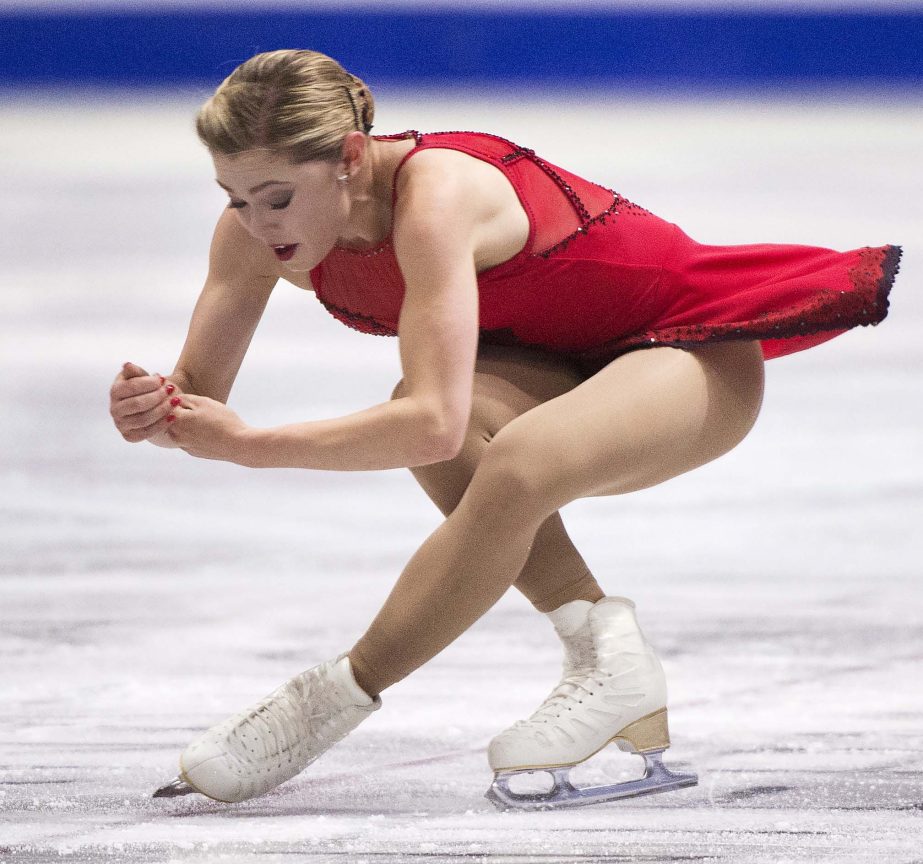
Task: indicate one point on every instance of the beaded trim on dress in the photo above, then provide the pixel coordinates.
(827, 310)
(831, 310)
(517, 152)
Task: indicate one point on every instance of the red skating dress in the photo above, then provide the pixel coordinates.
(600, 276)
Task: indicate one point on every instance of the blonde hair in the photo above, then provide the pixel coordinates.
(295, 102)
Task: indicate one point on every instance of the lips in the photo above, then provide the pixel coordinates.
(284, 253)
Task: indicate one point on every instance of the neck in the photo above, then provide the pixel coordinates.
(369, 191)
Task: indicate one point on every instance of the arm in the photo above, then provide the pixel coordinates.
(230, 306)
(241, 276)
(438, 332)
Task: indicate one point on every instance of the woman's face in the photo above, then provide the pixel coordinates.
(286, 205)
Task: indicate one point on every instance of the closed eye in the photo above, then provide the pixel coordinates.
(281, 205)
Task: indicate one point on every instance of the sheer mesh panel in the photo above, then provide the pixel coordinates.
(563, 204)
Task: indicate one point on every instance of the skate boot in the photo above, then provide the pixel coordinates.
(278, 737)
(613, 690)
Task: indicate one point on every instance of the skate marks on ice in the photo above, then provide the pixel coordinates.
(432, 809)
(757, 706)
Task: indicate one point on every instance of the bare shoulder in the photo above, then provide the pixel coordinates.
(236, 257)
(440, 179)
(453, 202)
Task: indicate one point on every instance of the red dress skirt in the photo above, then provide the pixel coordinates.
(600, 276)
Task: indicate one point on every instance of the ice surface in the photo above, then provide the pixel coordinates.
(145, 595)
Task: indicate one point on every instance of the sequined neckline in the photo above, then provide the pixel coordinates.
(377, 249)
(386, 243)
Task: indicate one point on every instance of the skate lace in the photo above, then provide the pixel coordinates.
(567, 694)
(277, 725)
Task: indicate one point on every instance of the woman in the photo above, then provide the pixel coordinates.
(521, 295)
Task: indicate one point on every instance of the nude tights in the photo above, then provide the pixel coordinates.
(542, 435)
(507, 383)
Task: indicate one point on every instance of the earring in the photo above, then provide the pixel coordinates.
(343, 178)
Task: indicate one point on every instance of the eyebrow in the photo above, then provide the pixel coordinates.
(257, 188)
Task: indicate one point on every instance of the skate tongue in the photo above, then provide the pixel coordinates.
(344, 675)
(570, 617)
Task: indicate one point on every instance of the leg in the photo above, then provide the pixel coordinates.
(647, 416)
(507, 383)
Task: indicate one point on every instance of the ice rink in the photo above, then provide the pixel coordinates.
(145, 595)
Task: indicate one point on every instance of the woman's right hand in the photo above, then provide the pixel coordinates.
(140, 405)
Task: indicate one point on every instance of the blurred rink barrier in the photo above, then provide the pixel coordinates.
(669, 44)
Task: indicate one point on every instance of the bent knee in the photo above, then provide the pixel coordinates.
(736, 385)
(748, 385)
(510, 482)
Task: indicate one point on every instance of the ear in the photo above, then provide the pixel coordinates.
(353, 152)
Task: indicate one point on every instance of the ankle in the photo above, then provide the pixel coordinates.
(584, 588)
(592, 593)
(363, 676)
(570, 618)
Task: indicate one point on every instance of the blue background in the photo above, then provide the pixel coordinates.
(669, 46)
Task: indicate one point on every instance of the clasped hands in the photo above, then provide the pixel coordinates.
(148, 407)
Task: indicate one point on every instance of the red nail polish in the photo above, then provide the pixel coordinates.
(171, 418)
(175, 401)
(170, 388)
(162, 380)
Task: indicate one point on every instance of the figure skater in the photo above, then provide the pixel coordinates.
(557, 342)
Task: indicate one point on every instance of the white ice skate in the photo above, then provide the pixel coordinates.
(613, 690)
(254, 751)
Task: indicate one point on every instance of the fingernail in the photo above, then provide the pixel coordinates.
(170, 389)
(162, 380)
(175, 401)
(171, 418)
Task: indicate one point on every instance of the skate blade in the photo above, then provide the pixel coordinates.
(175, 789)
(657, 778)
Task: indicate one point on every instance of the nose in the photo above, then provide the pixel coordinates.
(262, 226)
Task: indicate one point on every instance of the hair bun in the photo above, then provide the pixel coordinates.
(290, 101)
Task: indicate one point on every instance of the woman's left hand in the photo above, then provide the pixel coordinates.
(208, 429)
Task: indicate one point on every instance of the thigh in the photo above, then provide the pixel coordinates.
(649, 415)
(508, 382)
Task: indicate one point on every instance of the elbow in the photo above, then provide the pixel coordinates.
(443, 439)
(451, 446)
